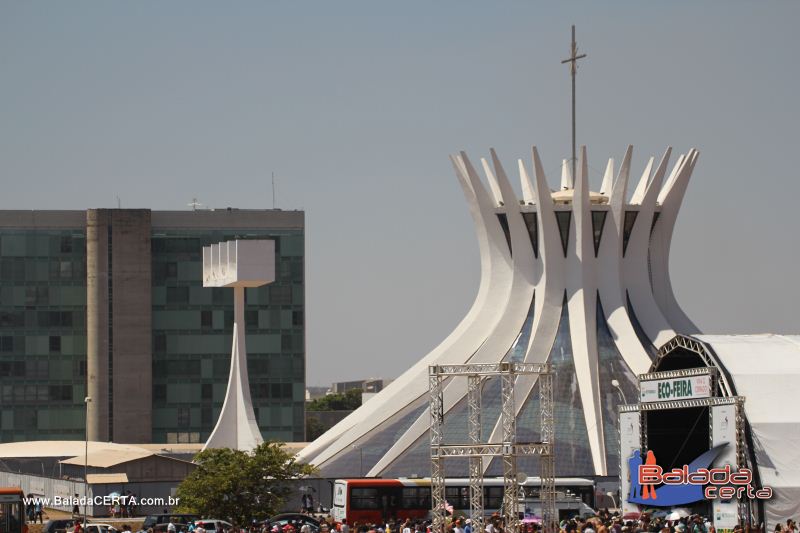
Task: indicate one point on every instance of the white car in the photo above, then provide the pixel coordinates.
(99, 528)
(210, 524)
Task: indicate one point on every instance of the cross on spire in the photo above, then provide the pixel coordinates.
(573, 61)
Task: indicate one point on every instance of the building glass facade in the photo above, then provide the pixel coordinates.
(45, 342)
(42, 334)
(573, 457)
(192, 335)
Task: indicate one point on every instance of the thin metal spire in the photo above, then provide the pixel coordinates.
(273, 190)
(573, 61)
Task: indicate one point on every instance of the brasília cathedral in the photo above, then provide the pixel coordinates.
(577, 278)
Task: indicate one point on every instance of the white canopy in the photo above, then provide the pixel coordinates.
(766, 370)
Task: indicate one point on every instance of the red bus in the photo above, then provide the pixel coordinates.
(12, 511)
(377, 501)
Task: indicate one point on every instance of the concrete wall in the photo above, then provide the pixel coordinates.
(97, 323)
(51, 487)
(132, 359)
(228, 218)
(118, 325)
(42, 219)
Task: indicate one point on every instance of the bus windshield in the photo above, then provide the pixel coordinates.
(12, 516)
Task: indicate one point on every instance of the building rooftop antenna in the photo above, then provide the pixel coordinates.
(573, 61)
(273, 190)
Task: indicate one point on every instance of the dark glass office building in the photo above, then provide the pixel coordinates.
(110, 304)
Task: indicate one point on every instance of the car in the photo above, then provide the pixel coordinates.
(58, 526)
(297, 520)
(212, 524)
(98, 528)
(159, 522)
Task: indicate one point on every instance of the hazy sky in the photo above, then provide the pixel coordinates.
(356, 106)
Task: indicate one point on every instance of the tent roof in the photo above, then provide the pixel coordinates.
(100, 454)
(766, 370)
(63, 448)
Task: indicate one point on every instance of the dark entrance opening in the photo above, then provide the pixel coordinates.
(677, 436)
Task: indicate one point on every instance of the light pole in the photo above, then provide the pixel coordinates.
(615, 384)
(360, 460)
(87, 401)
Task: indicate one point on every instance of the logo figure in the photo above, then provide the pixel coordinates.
(634, 463)
(649, 491)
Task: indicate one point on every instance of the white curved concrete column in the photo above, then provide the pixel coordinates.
(644, 181)
(582, 302)
(496, 277)
(549, 287)
(636, 267)
(608, 179)
(551, 283)
(609, 259)
(502, 338)
(670, 198)
(566, 176)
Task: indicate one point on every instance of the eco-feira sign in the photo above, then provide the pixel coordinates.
(683, 388)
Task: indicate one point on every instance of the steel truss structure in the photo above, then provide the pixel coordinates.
(507, 451)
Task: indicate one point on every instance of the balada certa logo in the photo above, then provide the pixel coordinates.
(654, 487)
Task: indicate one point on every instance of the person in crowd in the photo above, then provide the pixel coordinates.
(29, 509)
(38, 509)
(468, 525)
(76, 510)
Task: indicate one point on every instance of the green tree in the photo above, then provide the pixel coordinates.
(348, 401)
(314, 428)
(240, 486)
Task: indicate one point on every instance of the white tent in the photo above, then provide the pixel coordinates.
(766, 370)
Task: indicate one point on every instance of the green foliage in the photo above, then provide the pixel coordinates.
(348, 401)
(240, 486)
(314, 428)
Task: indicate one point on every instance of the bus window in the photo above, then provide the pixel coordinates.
(492, 497)
(458, 497)
(364, 498)
(416, 498)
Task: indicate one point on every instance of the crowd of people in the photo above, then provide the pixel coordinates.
(602, 522)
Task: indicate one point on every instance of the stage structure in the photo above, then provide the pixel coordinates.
(571, 277)
(479, 452)
(238, 264)
(687, 388)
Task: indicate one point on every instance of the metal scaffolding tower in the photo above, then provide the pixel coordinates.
(481, 453)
